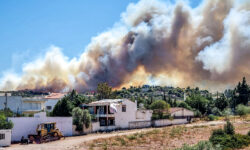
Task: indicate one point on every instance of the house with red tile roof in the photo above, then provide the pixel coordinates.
(52, 99)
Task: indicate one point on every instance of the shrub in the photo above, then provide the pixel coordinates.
(216, 111)
(248, 133)
(212, 117)
(229, 128)
(242, 110)
(202, 145)
(227, 139)
(197, 113)
(4, 123)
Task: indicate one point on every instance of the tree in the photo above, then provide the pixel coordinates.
(4, 123)
(104, 91)
(243, 92)
(184, 105)
(242, 110)
(221, 102)
(77, 115)
(63, 107)
(86, 118)
(229, 128)
(80, 118)
(160, 105)
(198, 102)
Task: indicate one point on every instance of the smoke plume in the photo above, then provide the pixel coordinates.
(155, 42)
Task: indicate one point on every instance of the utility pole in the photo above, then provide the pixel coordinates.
(6, 101)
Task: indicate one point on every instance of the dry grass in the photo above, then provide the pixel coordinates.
(162, 138)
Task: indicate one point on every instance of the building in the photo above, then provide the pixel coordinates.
(31, 105)
(14, 103)
(116, 114)
(51, 100)
(5, 137)
(181, 113)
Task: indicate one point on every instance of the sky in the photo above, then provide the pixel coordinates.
(28, 27)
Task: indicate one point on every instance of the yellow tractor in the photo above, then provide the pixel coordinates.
(46, 132)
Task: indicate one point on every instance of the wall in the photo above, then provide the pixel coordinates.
(166, 122)
(52, 103)
(139, 124)
(13, 102)
(7, 140)
(27, 125)
(183, 112)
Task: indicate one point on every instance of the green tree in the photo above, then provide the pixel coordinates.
(80, 118)
(104, 91)
(63, 107)
(242, 110)
(198, 102)
(221, 102)
(229, 128)
(159, 104)
(242, 92)
(77, 115)
(4, 123)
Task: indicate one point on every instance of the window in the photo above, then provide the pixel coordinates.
(48, 107)
(103, 121)
(123, 108)
(111, 121)
(2, 136)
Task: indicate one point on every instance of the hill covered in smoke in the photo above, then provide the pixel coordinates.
(154, 42)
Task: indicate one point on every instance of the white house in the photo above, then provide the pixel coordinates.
(116, 114)
(31, 105)
(5, 137)
(12, 102)
(52, 99)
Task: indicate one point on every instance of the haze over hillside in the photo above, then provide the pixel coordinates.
(154, 42)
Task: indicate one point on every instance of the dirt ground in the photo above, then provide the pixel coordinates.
(170, 137)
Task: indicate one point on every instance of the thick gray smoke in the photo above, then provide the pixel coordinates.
(154, 43)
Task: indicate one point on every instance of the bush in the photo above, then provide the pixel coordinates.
(202, 145)
(4, 123)
(216, 111)
(227, 139)
(159, 104)
(248, 133)
(197, 113)
(242, 110)
(229, 128)
(212, 117)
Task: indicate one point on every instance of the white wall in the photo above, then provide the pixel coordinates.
(51, 102)
(166, 122)
(13, 102)
(23, 126)
(183, 112)
(139, 124)
(7, 140)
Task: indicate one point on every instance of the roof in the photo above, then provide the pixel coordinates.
(174, 109)
(33, 99)
(106, 102)
(55, 96)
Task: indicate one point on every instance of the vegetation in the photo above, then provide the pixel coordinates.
(65, 106)
(80, 118)
(202, 145)
(242, 110)
(227, 139)
(4, 123)
(160, 109)
(104, 91)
